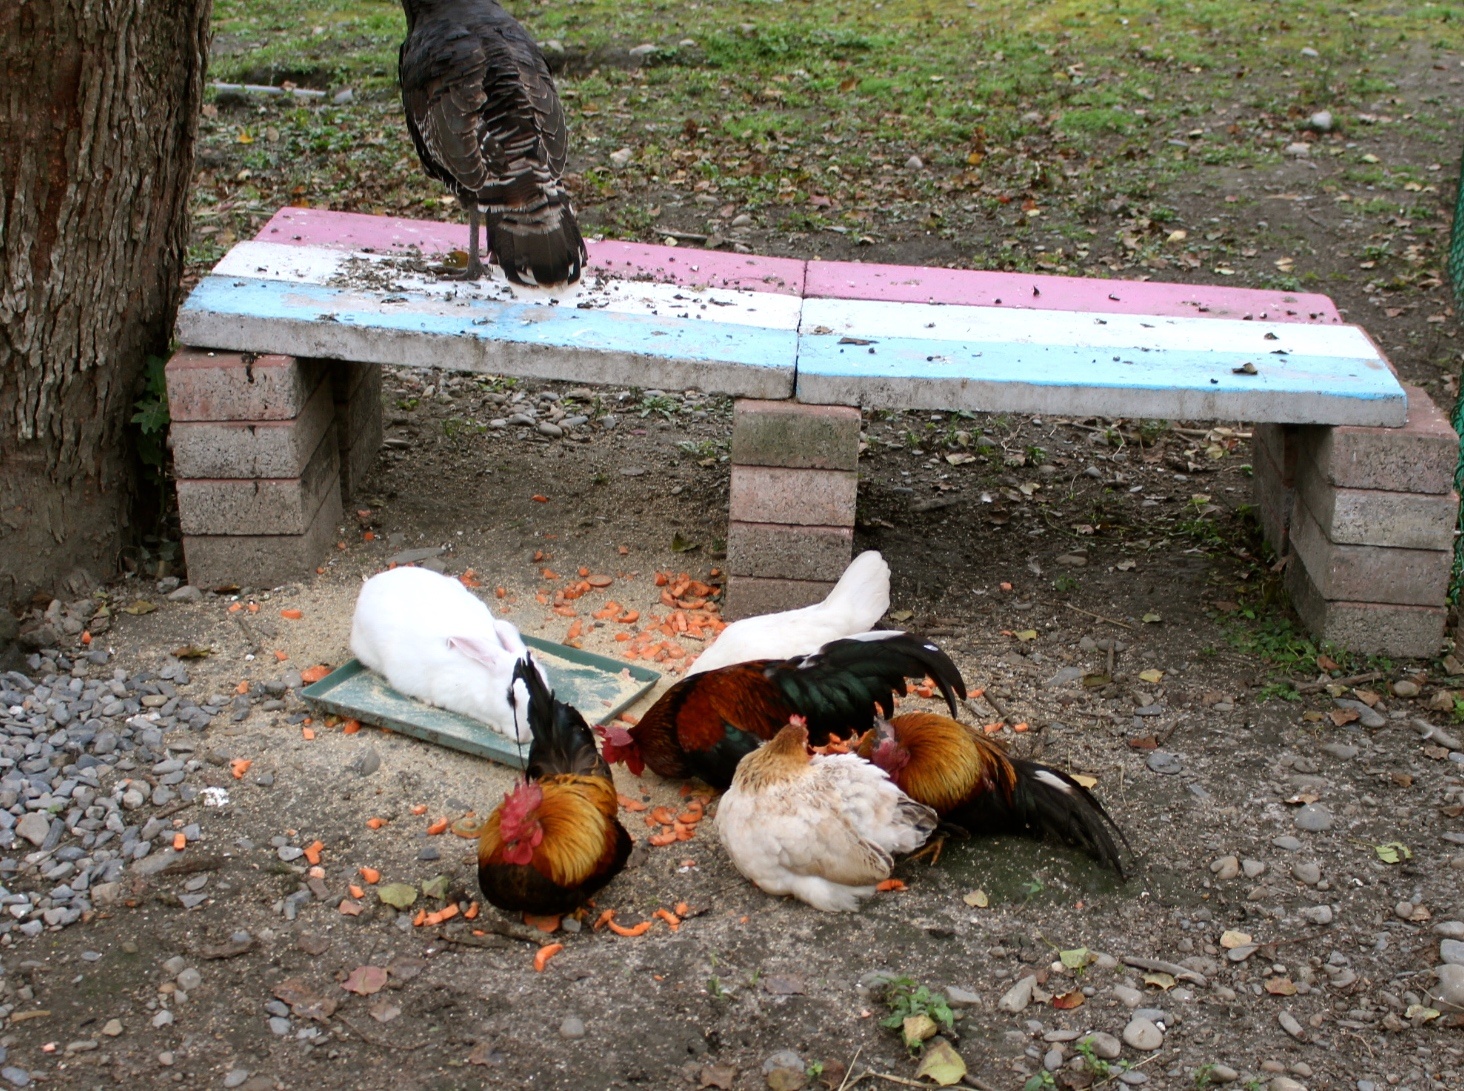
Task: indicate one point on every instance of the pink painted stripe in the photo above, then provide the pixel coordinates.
(627, 260)
(916, 284)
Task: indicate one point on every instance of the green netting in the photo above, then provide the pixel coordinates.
(1456, 278)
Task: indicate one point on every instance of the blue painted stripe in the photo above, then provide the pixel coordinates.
(895, 360)
(589, 330)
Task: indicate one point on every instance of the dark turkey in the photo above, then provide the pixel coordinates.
(486, 121)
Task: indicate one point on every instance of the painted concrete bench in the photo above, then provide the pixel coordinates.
(801, 345)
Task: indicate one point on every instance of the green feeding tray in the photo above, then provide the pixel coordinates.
(600, 687)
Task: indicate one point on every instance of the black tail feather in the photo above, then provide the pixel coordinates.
(545, 243)
(839, 686)
(1047, 801)
(562, 741)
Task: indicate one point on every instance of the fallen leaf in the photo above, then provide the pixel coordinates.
(1342, 716)
(1280, 986)
(1096, 681)
(1393, 851)
(398, 895)
(1144, 742)
(1160, 980)
(1070, 1000)
(1303, 799)
(1152, 676)
(1327, 663)
(901, 615)
(1126, 566)
(193, 651)
(483, 1053)
(1151, 619)
(976, 899)
(437, 887)
(1231, 940)
(365, 980)
(1026, 635)
(682, 545)
(1420, 1013)
(384, 1011)
(141, 606)
(1085, 780)
(1076, 958)
(304, 1002)
(941, 1064)
(718, 1075)
(917, 1028)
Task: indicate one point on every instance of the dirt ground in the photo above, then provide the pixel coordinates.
(1027, 562)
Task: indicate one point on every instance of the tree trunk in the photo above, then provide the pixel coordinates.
(97, 123)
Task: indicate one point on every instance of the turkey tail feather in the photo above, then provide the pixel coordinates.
(545, 243)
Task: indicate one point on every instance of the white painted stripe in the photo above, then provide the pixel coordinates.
(876, 320)
(396, 274)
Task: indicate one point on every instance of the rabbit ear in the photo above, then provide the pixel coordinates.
(480, 651)
(509, 638)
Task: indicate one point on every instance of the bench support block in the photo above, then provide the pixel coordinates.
(1367, 517)
(790, 532)
(263, 447)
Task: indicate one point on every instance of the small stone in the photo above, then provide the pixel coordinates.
(1285, 1083)
(112, 1028)
(1451, 951)
(235, 1077)
(1299, 150)
(366, 761)
(1450, 929)
(1287, 842)
(186, 593)
(958, 997)
(1291, 1026)
(1163, 762)
(1105, 1045)
(1316, 914)
(1018, 996)
(34, 827)
(1403, 911)
(18, 1077)
(430, 852)
(1339, 750)
(279, 1025)
(289, 853)
(1307, 872)
(1129, 998)
(1321, 121)
(175, 965)
(1449, 993)
(1314, 818)
(1253, 869)
(189, 980)
(785, 1071)
(1367, 715)
(1143, 1034)
(1404, 688)
(1225, 867)
(1223, 1073)
(553, 431)
(572, 1027)
(162, 1018)
(166, 1058)
(621, 157)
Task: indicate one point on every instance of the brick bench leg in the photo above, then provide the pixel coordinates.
(356, 389)
(790, 532)
(258, 466)
(1372, 531)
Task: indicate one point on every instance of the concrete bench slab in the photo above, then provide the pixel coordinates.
(884, 354)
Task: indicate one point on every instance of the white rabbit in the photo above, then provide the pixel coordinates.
(433, 639)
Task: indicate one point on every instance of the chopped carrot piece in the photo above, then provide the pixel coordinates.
(652, 823)
(307, 734)
(291, 615)
(500, 592)
(420, 919)
(179, 842)
(281, 657)
(254, 607)
(630, 617)
(576, 627)
(689, 818)
(545, 953)
(664, 816)
(448, 912)
(1019, 728)
(350, 727)
(548, 924)
(540, 499)
(684, 833)
(638, 930)
(419, 808)
(602, 920)
(440, 826)
(669, 917)
(242, 687)
(584, 571)
(665, 837)
(889, 885)
(369, 537)
(662, 579)
(630, 719)
(235, 607)
(316, 872)
(356, 892)
(682, 909)
(239, 766)
(375, 823)
(631, 804)
(622, 637)
(315, 673)
(471, 913)
(370, 875)
(550, 574)
(312, 851)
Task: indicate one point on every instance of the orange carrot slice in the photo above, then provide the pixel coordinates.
(631, 804)
(682, 909)
(669, 917)
(666, 837)
(350, 727)
(471, 913)
(312, 851)
(179, 842)
(315, 673)
(356, 892)
(889, 885)
(375, 823)
(292, 615)
(440, 826)
(419, 808)
(544, 954)
(638, 930)
(602, 920)
(548, 924)
(370, 876)
(239, 766)
(664, 815)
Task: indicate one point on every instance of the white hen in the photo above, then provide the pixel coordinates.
(857, 601)
(822, 828)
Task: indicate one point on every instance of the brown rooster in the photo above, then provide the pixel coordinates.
(971, 782)
(555, 839)
(704, 725)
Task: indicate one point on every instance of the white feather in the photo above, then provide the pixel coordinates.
(857, 601)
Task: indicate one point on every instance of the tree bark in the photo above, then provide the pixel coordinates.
(98, 117)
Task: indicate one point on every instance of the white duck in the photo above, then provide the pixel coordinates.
(856, 603)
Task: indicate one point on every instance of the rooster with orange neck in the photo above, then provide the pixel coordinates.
(555, 839)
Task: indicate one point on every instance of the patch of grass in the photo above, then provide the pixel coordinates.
(905, 998)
